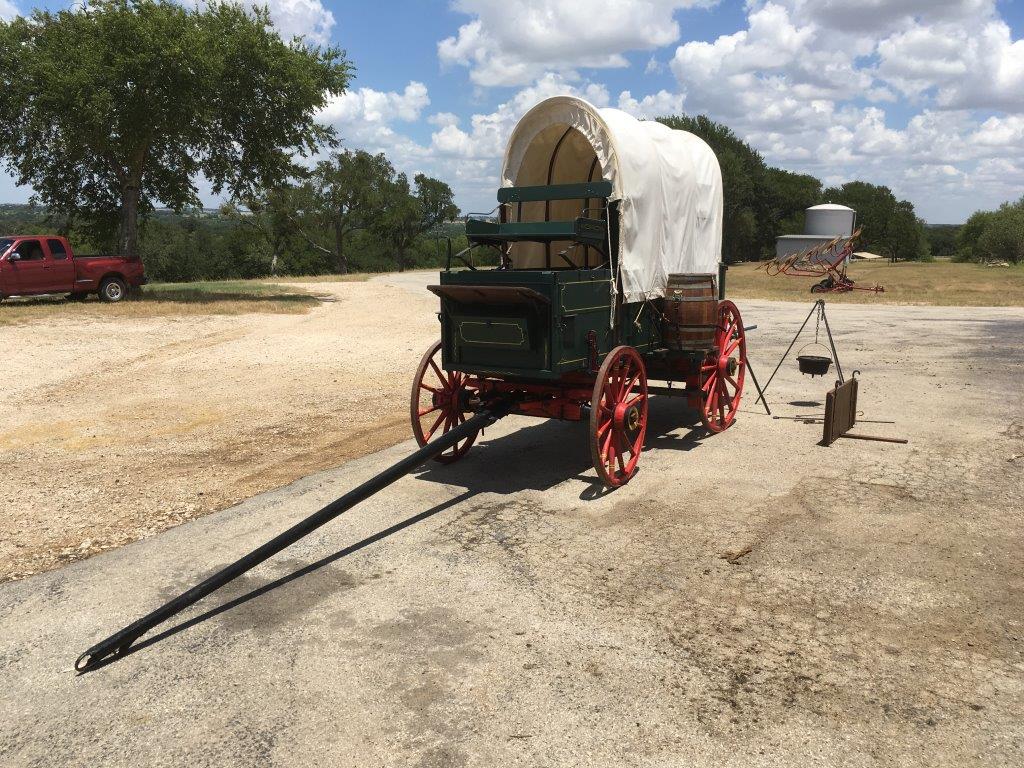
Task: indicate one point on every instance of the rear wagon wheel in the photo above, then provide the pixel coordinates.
(723, 371)
(113, 290)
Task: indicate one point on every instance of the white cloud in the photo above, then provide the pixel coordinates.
(368, 106)
(488, 132)
(658, 104)
(292, 18)
(879, 16)
(464, 152)
(965, 66)
(364, 118)
(8, 10)
(307, 18)
(805, 80)
(442, 119)
(514, 45)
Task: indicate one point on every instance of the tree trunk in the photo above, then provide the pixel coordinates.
(339, 250)
(128, 236)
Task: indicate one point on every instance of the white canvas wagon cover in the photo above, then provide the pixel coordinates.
(667, 182)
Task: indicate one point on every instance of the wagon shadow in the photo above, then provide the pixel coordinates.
(539, 455)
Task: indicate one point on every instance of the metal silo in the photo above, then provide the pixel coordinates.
(830, 220)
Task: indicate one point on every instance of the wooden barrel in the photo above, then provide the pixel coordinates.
(691, 311)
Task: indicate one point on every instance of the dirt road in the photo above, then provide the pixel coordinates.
(113, 430)
(749, 599)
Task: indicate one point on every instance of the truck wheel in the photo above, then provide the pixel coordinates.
(77, 296)
(113, 289)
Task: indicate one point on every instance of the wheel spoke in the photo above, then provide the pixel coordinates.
(637, 445)
(430, 433)
(632, 383)
(438, 371)
(606, 444)
(428, 410)
(635, 400)
(709, 382)
(429, 388)
(724, 397)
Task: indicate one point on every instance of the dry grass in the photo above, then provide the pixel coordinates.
(226, 297)
(940, 283)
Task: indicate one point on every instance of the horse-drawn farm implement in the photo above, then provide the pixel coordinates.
(827, 261)
(608, 239)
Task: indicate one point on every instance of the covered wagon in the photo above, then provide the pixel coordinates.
(608, 234)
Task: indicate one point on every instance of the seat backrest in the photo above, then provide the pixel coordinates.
(583, 191)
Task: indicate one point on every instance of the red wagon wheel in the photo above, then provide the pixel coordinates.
(439, 403)
(723, 370)
(618, 416)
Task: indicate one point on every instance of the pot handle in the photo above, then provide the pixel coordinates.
(814, 344)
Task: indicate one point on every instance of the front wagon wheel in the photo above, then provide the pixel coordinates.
(113, 290)
(618, 416)
(439, 403)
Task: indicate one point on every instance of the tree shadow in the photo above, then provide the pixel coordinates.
(181, 296)
(197, 296)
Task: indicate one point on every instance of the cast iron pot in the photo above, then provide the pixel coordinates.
(816, 365)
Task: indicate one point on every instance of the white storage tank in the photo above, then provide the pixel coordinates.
(830, 220)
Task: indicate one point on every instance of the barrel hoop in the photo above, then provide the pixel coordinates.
(686, 325)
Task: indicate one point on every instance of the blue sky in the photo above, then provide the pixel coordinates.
(925, 96)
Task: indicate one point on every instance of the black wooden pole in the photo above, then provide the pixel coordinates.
(122, 640)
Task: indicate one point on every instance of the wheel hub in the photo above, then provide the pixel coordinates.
(626, 418)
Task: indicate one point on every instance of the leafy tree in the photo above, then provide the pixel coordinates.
(888, 226)
(1003, 236)
(789, 196)
(343, 196)
(408, 214)
(268, 215)
(114, 106)
(969, 234)
(942, 239)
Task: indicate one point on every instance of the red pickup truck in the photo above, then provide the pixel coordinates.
(31, 265)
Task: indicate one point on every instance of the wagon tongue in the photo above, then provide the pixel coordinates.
(120, 642)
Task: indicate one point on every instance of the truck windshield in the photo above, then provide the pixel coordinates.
(5, 243)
